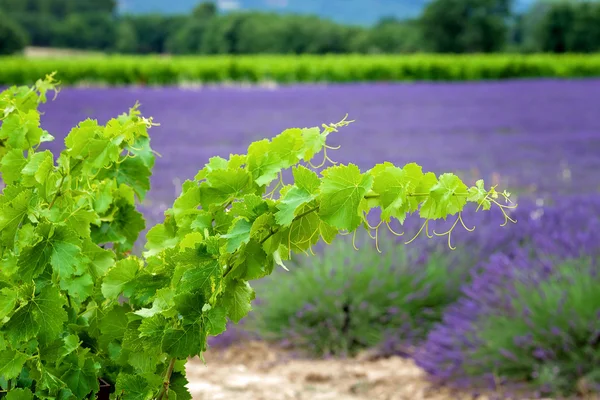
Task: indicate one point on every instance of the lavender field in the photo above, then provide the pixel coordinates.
(530, 136)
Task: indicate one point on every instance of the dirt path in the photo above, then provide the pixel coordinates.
(255, 371)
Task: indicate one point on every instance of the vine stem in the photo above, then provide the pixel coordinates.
(62, 180)
(299, 216)
(167, 380)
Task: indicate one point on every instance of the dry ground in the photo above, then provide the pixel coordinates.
(260, 371)
(256, 371)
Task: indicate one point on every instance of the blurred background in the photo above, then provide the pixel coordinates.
(502, 90)
(301, 26)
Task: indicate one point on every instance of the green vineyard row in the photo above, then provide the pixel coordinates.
(166, 70)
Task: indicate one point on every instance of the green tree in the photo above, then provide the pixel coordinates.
(154, 30)
(12, 36)
(553, 29)
(584, 34)
(205, 11)
(41, 28)
(188, 38)
(390, 35)
(87, 6)
(91, 31)
(465, 26)
(127, 39)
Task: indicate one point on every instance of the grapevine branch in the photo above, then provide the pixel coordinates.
(163, 391)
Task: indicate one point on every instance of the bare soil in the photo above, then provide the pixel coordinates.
(257, 371)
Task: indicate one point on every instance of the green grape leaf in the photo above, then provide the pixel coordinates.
(251, 207)
(257, 263)
(237, 298)
(394, 185)
(48, 313)
(79, 220)
(79, 287)
(304, 232)
(71, 343)
(120, 278)
(188, 201)
(133, 387)
(205, 277)
(19, 394)
(12, 215)
(11, 363)
(126, 225)
(179, 386)
(103, 195)
(11, 165)
(288, 145)
(100, 260)
(313, 142)
(153, 329)
(22, 326)
(479, 195)
(238, 234)
(290, 203)
(8, 300)
(222, 185)
(22, 129)
(264, 163)
(51, 382)
(113, 325)
(82, 377)
(447, 197)
(215, 320)
(306, 179)
(183, 342)
(39, 166)
(160, 237)
(428, 181)
(327, 232)
(342, 189)
(65, 249)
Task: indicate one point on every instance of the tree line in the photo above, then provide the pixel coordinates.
(445, 26)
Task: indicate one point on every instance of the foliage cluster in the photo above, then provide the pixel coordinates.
(449, 26)
(340, 302)
(76, 306)
(124, 70)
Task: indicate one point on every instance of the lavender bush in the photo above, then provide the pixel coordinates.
(530, 316)
(343, 300)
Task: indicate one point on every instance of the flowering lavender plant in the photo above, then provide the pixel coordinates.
(529, 318)
(344, 300)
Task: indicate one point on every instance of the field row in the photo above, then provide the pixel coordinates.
(157, 70)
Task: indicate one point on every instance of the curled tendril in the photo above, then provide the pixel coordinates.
(426, 226)
(354, 240)
(325, 159)
(377, 239)
(366, 221)
(332, 127)
(393, 231)
(125, 157)
(463, 223)
(449, 233)
(279, 183)
(503, 208)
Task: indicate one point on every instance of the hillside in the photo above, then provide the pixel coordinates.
(361, 12)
